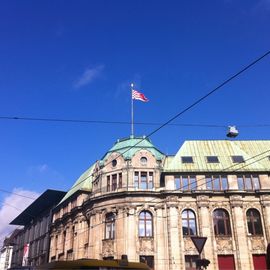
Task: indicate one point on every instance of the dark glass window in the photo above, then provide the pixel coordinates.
(189, 222)
(254, 222)
(216, 182)
(149, 260)
(114, 162)
(212, 159)
(143, 160)
(190, 262)
(109, 226)
(120, 180)
(114, 182)
(108, 183)
(221, 222)
(238, 159)
(145, 224)
(187, 159)
(248, 182)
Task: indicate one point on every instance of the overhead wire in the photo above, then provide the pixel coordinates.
(199, 100)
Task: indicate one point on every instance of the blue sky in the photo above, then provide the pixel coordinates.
(76, 59)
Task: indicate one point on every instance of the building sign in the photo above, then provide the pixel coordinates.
(25, 255)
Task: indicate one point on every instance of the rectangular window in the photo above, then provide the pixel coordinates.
(150, 180)
(108, 183)
(120, 180)
(144, 180)
(187, 159)
(216, 182)
(149, 260)
(190, 262)
(177, 182)
(212, 159)
(143, 184)
(248, 182)
(114, 182)
(185, 182)
(238, 159)
(136, 179)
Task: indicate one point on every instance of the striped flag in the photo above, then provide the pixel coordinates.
(139, 96)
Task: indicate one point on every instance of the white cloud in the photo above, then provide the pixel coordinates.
(11, 207)
(89, 75)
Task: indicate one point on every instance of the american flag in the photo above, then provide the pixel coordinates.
(139, 96)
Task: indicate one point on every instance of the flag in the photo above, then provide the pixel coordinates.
(139, 96)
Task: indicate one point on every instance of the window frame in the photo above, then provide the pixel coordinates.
(109, 226)
(144, 217)
(244, 180)
(186, 186)
(225, 219)
(251, 220)
(189, 220)
(220, 178)
(148, 181)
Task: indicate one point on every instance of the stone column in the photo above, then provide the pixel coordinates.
(131, 229)
(205, 230)
(173, 237)
(160, 235)
(238, 223)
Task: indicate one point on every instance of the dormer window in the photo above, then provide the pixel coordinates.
(212, 159)
(143, 160)
(187, 159)
(114, 162)
(238, 159)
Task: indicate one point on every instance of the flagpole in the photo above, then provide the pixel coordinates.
(132, 114)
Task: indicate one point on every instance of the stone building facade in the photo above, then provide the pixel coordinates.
(139, 202)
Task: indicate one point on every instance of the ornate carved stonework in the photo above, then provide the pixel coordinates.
(107, 248)
(257, 243)
(188, 244)
(146, 245)
(236, 201)
(172, 198)
(224, 244)
(203, 201)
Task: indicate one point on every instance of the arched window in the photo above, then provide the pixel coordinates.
(145, 224)
(189, 222)
(254, 222)
(110, 226)
(221, 222)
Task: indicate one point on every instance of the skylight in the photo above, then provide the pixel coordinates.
(187, 159)
(238, 159)
(212, 159)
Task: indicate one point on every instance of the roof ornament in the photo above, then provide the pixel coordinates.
(232, 132)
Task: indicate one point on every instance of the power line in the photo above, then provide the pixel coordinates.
(185, 110)
(174, 117)
(127, 123)
(17, 194)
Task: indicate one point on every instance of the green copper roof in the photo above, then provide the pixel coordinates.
(83, 183)
(223, 149)
(127, 147)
